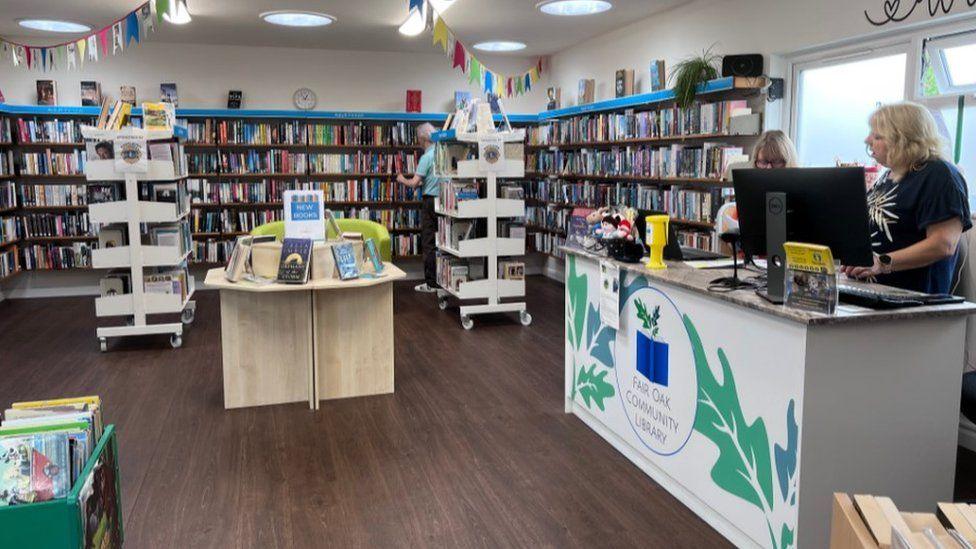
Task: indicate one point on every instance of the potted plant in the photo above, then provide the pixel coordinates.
(691, 73)
(652, 355)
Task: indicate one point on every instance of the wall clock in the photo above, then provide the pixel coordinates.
(305, 99)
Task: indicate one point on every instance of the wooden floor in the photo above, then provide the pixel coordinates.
(473, 449)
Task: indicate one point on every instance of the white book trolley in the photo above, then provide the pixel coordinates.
(136, 256)
(492, 289)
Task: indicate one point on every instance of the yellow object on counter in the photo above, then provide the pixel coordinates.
(657, 239)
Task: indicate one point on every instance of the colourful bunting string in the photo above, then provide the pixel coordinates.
(478, 74)
(134, 26)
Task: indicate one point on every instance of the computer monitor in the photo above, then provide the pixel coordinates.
(826, 206)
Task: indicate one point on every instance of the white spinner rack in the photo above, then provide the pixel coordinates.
(491, 247)
(135, 256)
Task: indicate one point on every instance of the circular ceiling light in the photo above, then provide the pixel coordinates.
(291, 18)
(573, 7)
(499, 45)
(53, 25)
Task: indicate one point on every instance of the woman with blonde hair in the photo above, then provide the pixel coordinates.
(774, 150)
(918, 208)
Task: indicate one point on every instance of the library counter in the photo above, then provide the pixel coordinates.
(720, 397)
(305, 342)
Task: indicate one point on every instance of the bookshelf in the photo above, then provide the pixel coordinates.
(217, 219)
(9, 238)
(641, 151)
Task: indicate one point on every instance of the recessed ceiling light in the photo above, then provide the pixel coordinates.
(291, 18)
(500, 45)
(52, 25)
(573, 7)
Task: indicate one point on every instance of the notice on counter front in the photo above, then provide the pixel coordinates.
(610, 294)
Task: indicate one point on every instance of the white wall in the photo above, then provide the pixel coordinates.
(343, 80)
(771, 27)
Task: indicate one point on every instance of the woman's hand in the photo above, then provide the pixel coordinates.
(864, 272)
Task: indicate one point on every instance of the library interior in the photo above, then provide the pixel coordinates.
(488, 273)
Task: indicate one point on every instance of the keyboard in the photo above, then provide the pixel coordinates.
(890, 298)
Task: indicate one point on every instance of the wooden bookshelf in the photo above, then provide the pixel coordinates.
(59, 239)
(14, 242)
(43, 209)
(640, 141)
(50, 145)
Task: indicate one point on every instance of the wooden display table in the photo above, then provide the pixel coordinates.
(292, 342)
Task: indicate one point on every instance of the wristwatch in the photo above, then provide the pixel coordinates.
(885, 261)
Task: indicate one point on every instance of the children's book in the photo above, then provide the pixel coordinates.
(374, 255)
(811, 277)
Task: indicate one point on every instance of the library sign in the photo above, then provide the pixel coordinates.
(896, 11)
(686, 389)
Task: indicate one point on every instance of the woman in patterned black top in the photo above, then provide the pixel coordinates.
(919, 208)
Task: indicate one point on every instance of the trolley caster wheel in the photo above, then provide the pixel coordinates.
(176, 341)
(467, 322)
(442, 303)
(188, 316)
(103, 343)
(525, 318)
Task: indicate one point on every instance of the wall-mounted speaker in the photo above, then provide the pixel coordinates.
(750, 65)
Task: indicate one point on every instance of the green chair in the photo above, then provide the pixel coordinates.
(369, 229)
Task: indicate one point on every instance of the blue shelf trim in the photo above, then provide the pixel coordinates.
(712, 86)
(37, 110)
(446, 135)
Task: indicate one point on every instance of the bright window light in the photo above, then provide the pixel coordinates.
(573, 7)
(961, 63)
(499, 45)
(51, 25)
(298, 18)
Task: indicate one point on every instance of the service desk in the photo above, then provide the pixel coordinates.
(721, 398)
(305, 342)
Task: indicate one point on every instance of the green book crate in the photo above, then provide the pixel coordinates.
(70, 521)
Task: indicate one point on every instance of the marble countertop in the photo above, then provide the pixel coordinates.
(696, 280)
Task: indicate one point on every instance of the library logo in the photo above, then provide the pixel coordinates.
(130, 153)
(492, 154)
(658, 380)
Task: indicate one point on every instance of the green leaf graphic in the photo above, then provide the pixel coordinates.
(786, 538)
(743, 467)
(642, 314)
(576, 315)
(593, 386)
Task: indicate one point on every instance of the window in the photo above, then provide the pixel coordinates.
(949, 65)
(836, 97)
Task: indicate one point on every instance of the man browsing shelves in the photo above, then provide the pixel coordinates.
(430, 185)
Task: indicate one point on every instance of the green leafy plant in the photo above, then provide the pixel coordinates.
(650, 321)
(691, 73)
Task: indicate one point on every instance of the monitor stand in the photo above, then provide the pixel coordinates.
(775, 253)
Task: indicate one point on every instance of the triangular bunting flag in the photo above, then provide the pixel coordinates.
(118, 46)
(162, 6)
(81, 46)
(440, 33)
(534, 75)
(18, 57)
(93, 48)
(13, 55)
(528, 82)
(509, 87)
(489, 84)
(519, 86)
(103, 40)
(71, 48)
(458, 56)
(415, 5)
(474, 72)
(131, 28)
(44, 58)
(147, 13)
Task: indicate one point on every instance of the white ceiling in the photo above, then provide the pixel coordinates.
(361, 25)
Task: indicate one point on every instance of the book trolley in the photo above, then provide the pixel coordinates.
(89, 515)
(486, 162)
(135, 255)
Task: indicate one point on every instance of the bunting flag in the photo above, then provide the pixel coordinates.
(478, 74)
(134, 26)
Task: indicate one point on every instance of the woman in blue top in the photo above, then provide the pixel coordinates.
(919, 208)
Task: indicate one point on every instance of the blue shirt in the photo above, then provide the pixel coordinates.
(425, 169)
(902, 211)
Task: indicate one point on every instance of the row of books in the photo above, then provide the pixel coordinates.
(168, 281)
(8, 229)
(53, 224)
(238, 132)
(548, 243)
(213, 250)
(6, 135)
(406, 244)
(55, 257)
(363, 162)
(45, 447)
(203, 191)
(8, 195)
(451, 232)
(698, 119)
(53, 163)
(400, 218)
(363, 133)
(9, 263)
(258, 162)
(6, 163)
(689, 205)
(203, 162)
(50, 195)
(37, 130)
(172, 192)
(455, 191)
(698, 239)
(452, 272)
(708, 161)
(550, 217)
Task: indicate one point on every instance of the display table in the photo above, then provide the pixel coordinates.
(720, 397)
(303, 343)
